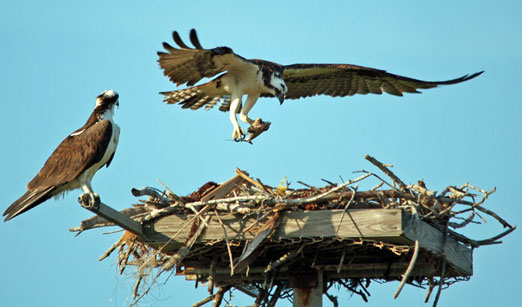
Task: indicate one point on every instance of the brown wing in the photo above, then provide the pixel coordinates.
(189, 65)
(195, 97)
(74, 155)
(304, 80)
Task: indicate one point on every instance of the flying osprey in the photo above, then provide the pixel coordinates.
(258, 78)
(75, 161)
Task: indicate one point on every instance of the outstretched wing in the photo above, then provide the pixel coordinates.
(304, 80)
(195, 97)
(189, 65)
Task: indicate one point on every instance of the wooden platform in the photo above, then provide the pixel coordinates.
(371, 243)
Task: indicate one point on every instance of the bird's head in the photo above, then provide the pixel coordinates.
(278, 85)
(107, 100)
(272, 77)
(105, 103)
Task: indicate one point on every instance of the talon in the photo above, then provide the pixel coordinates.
(238, 135)
(89, 200)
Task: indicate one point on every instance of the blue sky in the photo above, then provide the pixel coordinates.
(58, 56)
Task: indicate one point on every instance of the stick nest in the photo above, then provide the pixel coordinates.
(265, 266)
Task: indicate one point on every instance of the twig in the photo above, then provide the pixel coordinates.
(275, 296)
(494, 215)
(245, 176)
(378, 177)
(307, 200)
(260, 297)
(346, 208)
(387, 171)
(211, 276)
(495, 238)
(341, 261)
(136, 286)
(461, 238)
(246, 290)
(305, 184)
(375, 187)
(464, 223)
(332, 299)
(430, 289)
(443, 264)
(230, 257)
(219, 296)
(136, 300)
(191, 207)
(185, 249)
(203, 301)
(111, 249)
(283, 259)
(329, 182)
(413, 260)
(170, 194)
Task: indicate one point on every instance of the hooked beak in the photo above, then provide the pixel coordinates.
(281, 97)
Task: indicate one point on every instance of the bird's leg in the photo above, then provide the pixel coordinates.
(89, 199)
(249, 103)
(256, 126)
(238, 134)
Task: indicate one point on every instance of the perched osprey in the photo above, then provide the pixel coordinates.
(75, 161)
(259, 78)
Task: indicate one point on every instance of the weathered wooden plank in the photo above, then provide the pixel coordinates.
(431, 239)
(373, 224)
(387, 225)
(223, 189)
(356, 223)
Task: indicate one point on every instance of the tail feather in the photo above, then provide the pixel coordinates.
(29, 200)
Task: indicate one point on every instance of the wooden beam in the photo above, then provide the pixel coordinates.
(354, 270)
(307, 290)
(117, 218)
(356, 223)
(393, 226)
(430, 239)
(373, 224)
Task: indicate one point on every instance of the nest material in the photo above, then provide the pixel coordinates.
(261, 267)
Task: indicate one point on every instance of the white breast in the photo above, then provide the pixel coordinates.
(86, 176)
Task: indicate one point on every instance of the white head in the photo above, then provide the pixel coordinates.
(107, 97)
(272, 74)
(105, 103)
(278, 85)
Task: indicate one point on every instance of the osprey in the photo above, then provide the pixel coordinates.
(75, 161)
(258, 78)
